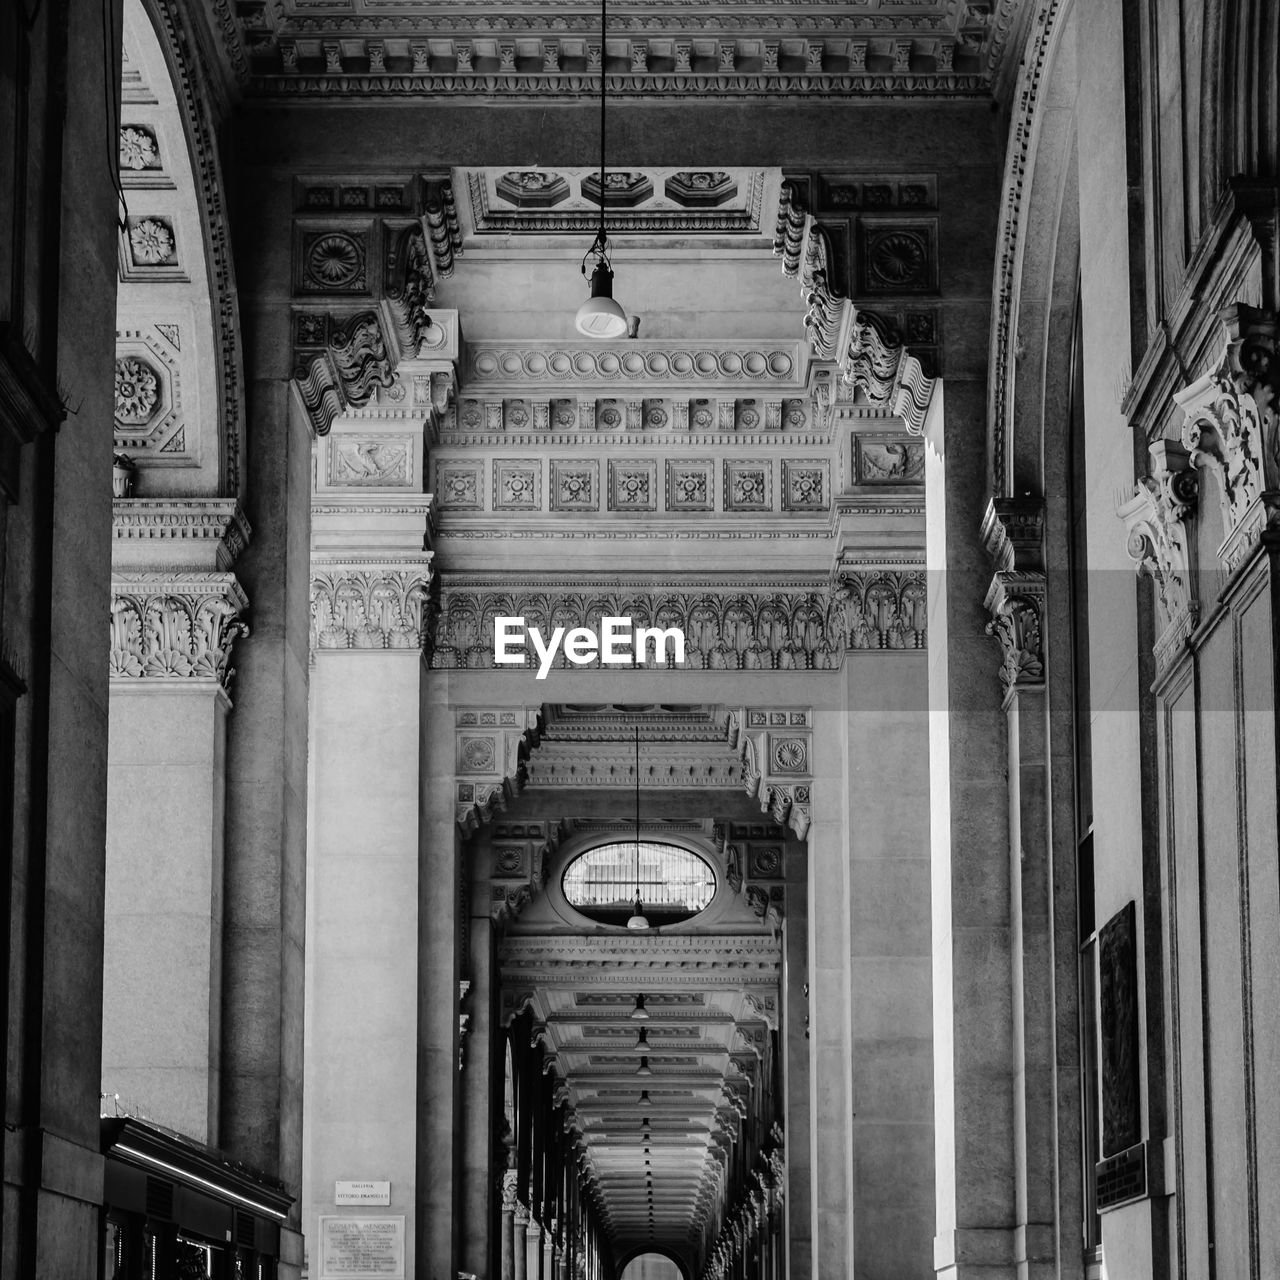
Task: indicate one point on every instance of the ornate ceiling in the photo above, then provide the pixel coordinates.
(662, 1170)
(671, 48)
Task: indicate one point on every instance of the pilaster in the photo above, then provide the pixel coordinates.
(370, 580)
(177, 613)
(1013, 531)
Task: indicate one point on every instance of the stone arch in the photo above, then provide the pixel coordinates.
(1034, 289)
(179, 378)
(642, 1250)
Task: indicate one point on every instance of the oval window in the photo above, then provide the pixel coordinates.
(674, 884)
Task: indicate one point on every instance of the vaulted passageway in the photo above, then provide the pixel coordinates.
(642, 1065)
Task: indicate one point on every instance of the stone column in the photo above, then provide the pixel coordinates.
(172, 633)
(370, 575)
(519, 1244)
(969, 837)
(533, 1241)
(506, 1226)
(1013, 532)
(549, 1251)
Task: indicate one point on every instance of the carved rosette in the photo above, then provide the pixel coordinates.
(493, 744)
(777, 768)
(1155, 518)
(1013, 532)
(167, 626)
(369, 606)
(1233, 427)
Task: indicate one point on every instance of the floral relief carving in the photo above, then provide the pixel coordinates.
(1016, 626)
(137, 391)
(138, 149)
(369, 607)
(334, 261)
(181, 627)
(1233, 427)
(1155, 518)
(151, 241)
(745, 628)
(898, 258)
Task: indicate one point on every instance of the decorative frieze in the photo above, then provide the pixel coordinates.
(1232, 427)
(738, 363)
(182, 626)
(728, 626)
(1155, 517)
(370, 605)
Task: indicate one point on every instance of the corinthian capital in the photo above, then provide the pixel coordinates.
(1155, 517)
(369, 605)
(175, 625)
(1233, 427)
(1013, 531)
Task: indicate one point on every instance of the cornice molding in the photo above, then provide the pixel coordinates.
(872, 369)
(195, 533)
(166, 625)
(493, 745)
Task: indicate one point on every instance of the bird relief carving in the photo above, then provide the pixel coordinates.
(371, 462)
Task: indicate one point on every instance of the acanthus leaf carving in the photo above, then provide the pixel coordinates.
(181, 626)
(370, 606)
(1232, 427)
(1155, 517)
(1013, 533)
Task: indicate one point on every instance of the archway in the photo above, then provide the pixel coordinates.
(652, 1265)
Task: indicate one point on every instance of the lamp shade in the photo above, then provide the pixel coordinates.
(600, 316)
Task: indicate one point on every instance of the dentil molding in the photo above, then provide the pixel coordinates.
(193, 533)
(175, 625)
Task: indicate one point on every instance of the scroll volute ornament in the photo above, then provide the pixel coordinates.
(1013, 533)
(1233, 427)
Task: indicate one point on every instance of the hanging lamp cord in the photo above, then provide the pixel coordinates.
(637, 813)
(601, 237)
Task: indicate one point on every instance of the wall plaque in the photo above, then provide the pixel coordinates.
(361, 1248)
(362, 1193)
(1118, 1001)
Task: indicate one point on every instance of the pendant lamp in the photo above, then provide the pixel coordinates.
(637, 920)
(600, 316)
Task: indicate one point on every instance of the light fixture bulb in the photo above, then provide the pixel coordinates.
(639, 1013)
(644, 1102)
(643, 1069)
(600, 316)
(642, 1041)
(637, 920)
